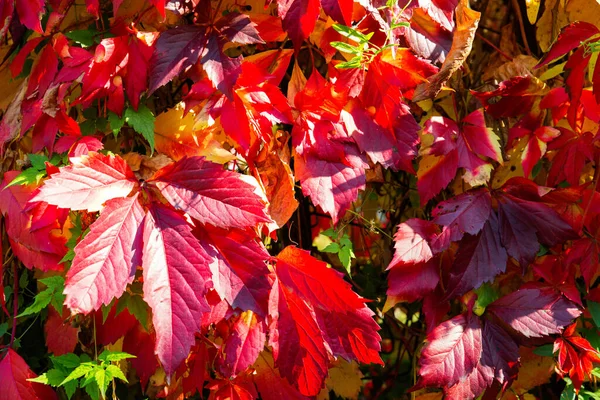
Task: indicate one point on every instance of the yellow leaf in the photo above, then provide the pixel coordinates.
(345, 379)
(175, 136)
(511, 168)
(533, 7)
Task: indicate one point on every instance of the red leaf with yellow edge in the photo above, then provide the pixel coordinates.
(535, 312)
(210, 194)
(14, 373)
(176, 278)
(88, 183)
(243, 345)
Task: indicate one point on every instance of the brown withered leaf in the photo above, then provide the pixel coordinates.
(467, 21)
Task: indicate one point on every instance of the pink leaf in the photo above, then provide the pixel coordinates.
(412, 242)
(452, 351)
(176, 278)
(88, 183)
(106, 259)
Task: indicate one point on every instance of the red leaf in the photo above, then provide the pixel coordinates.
(344, 318)
(14, 373)
(88, 183)
(238, 28)
(239, 270)
(221, 69)
(500, 352)
(295, 337)
(412, 242)
(479, 259)
(333, 186)
(535, 312)
(141, 344)
(61, 337)
(270, 384)
(176, 50)
(339, 10)
(243, 345)
(576, 356)
(412, 282)
(570, 37)
(16, 67)
(452, 352)
(106, 259)
(465, 213)
(113, 327)
(176, 278)
(523, 222)
(30, 13)
(298, 18)
(240, 388)
(210, 194)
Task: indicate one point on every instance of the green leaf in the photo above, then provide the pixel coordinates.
(78, 372)
(92, 390)
(70, 388)
(116, 123)
(138, 307)
(41, 301)
(330, 233)
(40, 379)
(84, 37)
(142, 121)
(55, 377)
(52, 295)
(102, 379)
(594, 309)
(544, 351)
(73, 240)
(486, 294)
(116, 372)
(27, 177)
(346, 48)
(346, 255)
(352, 34)
(355, 62)
(3, 329)
(111, 356)
(68, 361)
(332, 248)
(400, 24)
(38, 161)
